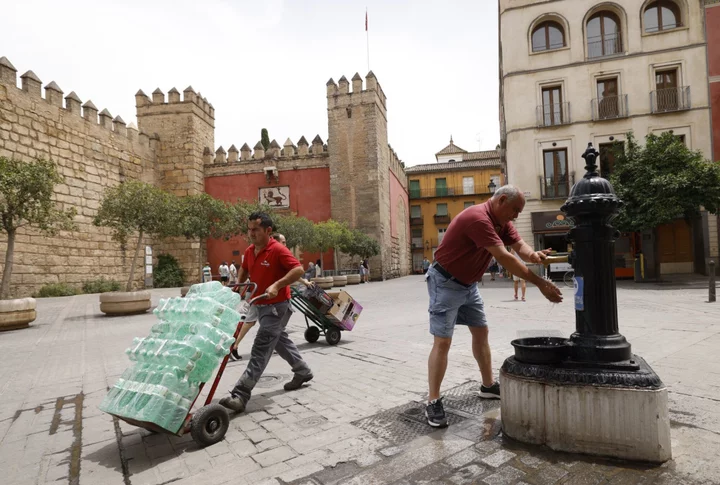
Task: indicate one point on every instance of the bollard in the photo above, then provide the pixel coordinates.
(711, 285)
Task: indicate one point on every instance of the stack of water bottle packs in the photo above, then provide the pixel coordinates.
(184, 347)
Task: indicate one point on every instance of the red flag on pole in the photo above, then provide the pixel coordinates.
(366, 23)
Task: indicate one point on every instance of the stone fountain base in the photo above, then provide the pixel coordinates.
(619, 414)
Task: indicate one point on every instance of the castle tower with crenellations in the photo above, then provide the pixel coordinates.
(368, 185)
(185, 128)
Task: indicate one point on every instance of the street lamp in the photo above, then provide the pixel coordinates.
(492, 186)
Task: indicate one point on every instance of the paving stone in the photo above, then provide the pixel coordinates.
(504, 476)
(463, 458)
(499, 457)
(274, 456)
(303, 471)
(550, 474)
(243, 448)
(467, 475)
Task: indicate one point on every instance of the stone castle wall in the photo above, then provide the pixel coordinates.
(171, 149)
(93, 151)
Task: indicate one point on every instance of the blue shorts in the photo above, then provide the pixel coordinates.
(452, 304)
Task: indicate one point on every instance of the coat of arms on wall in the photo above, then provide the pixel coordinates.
(275, 196)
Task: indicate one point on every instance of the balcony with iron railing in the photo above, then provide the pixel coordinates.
(670, 99)
(556, 189)
(417, 244)
(608, 45)
(555, 114)
(442, 219)
(609, 107)
(447, 192)
(416, 221)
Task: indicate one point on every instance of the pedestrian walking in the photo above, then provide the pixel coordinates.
(518, 281)
(318, 269)
(233, 273)
(425, 265)
(224, 271)
(493, 269)
(472, 239)
(366, 265)
(206, 273)
(273, 268)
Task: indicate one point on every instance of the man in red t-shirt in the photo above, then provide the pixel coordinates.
(273, 268)
(473, 238)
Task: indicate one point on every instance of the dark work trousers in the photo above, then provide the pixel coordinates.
(272, 320)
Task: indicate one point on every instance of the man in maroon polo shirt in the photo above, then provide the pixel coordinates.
(273, 268)
(473, 238)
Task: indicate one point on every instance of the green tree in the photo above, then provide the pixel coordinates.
(26, 191)
(326, 235)
(265, 138)
(661, 182)
(135, 207)
(298, 231)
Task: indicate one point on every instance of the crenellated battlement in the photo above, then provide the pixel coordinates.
(289, 151)
(397, 167)
(159, 105)
(339, 94)
(31, 86)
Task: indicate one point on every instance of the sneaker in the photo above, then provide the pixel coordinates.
(492, 392)
(233, 403)
(234, 355)
(435, 414)
(297, 382)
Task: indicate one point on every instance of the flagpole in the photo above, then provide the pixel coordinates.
(367, 39)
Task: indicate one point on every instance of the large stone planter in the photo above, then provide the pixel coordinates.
(17, 313)
(125, 303)
(324, 283)
(184, 290)
(340, 280)
(353, 279)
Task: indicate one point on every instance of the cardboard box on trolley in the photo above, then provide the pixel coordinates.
(345, 310)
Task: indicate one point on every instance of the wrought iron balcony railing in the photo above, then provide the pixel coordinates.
(447, 192)
(416, 221)
(609, 107)
(609, 45)
(552, 189)
(670, 99)
(442, 219)
(553, 114)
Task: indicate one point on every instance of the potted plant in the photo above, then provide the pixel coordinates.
(26, 191)
(135, 209)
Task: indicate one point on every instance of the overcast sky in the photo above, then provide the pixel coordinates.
(265, 63)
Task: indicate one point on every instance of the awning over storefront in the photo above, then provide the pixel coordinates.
(550, 222)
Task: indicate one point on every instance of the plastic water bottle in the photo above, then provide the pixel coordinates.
(201, 288)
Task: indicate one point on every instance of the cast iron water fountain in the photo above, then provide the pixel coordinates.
(588, 393)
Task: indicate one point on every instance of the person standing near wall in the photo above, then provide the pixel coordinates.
(206, 273)
(233, 273)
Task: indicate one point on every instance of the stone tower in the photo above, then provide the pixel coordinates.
(362, 172)
(186, 129)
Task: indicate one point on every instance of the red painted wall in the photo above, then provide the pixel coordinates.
(397, 191)
(712, 19)
(309, 197)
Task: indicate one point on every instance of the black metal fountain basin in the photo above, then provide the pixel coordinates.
(541, 350)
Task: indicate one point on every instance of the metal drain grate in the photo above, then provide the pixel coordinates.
(402, 423)
(464, 398)
(406, 422)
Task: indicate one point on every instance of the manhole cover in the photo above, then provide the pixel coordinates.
(269, 380)
(402, 423)
(311, 422)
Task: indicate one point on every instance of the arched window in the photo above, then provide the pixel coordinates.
(603, 34)
(547, 36)
(662, 15)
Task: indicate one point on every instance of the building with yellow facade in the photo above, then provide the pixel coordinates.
(440, 191)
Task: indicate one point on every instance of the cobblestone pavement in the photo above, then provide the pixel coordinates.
(359, 421)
